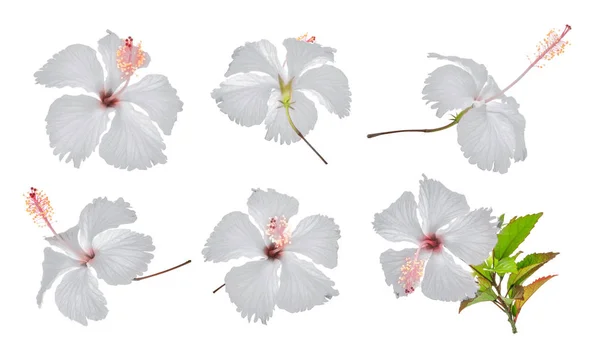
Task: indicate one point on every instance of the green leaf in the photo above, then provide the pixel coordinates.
(505, 266)
(515, 232)
(526, 267)
(501, 221)
(528, 291)
(482, 296)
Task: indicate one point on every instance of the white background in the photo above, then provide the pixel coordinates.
(213, 163)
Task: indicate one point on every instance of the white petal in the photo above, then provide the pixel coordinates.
(74, 66)
(253, 287)
(304, 117)
(476, 70)
(444, 280)
(78, 297)
(234, 237)
(121, 255)
(132, 141)
(101, 215)
(316, 237)
(472, 237)
(399, 223)
(302, 285)
(69, 242)
(392, 262)
(244, 98)
(258, 56)
(438, 205)
(518, 122)
(302, 55)
(74, 126)
(54, 265)
(330, 86)
(490, 89)
(155, 95)
(487, 136)
(449, 88)
(262, 205)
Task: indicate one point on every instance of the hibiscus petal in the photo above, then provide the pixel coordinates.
(444, 280)
(234, 237)
(438, 205)
(132, 141)
(68, 242)
(258, 56)
(399, 223)
(487, 136)
(78, 297)
(302, 55)
(155, 95)
(75, 66)
(518, 122)
(54, 265)
(302, 285)
(472, 237)
(74, 125)
(101, 215)
(304, 117)
(449, 88)
(330, 86)
(108, 46)
(253, 287)
(244, 98)
(262, 205)
(121, 255)
(477, 71)
(316, 237)
(392, 262)
(490, 89)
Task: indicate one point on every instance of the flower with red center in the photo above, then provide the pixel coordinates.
(75, 124)
(116, 255)
(258, 88)
(256, 287)
(446, 226)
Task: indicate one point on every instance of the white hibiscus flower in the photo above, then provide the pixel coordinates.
(257, 286)
(491, 131)
(118, 256)
(446, 226)
(259, 88)
(75, 124)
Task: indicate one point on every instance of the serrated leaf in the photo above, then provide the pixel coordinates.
(515, 232)
(505, 266)
(526, 267)
(528, 291)
(483, 296)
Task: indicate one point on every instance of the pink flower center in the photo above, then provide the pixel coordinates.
(432, 243)
(279, 235)
(108, 99)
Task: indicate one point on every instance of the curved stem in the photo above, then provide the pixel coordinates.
(218, 288)
(287, 112)
(425, 130)
(162, 272)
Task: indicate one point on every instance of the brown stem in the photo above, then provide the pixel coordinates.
(218, 288)
(287, 112)
(162, 272)
(425, 130)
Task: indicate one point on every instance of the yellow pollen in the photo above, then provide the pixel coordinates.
(129, 57)
(305, 38)
(38, 206)
(551, 47)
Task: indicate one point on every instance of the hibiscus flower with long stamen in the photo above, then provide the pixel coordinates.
(260, 89)
(76, 124)
(491, 131)
(446, 226)
(256, 287)
(118, 256)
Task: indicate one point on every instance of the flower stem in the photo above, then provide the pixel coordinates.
(162, 272)
(287, 112)
(425, 130)
(218, 288)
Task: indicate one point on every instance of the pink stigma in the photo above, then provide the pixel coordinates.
(279, 234)
(129, 57)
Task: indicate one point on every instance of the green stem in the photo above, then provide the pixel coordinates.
(287, 112)
(424, 130)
